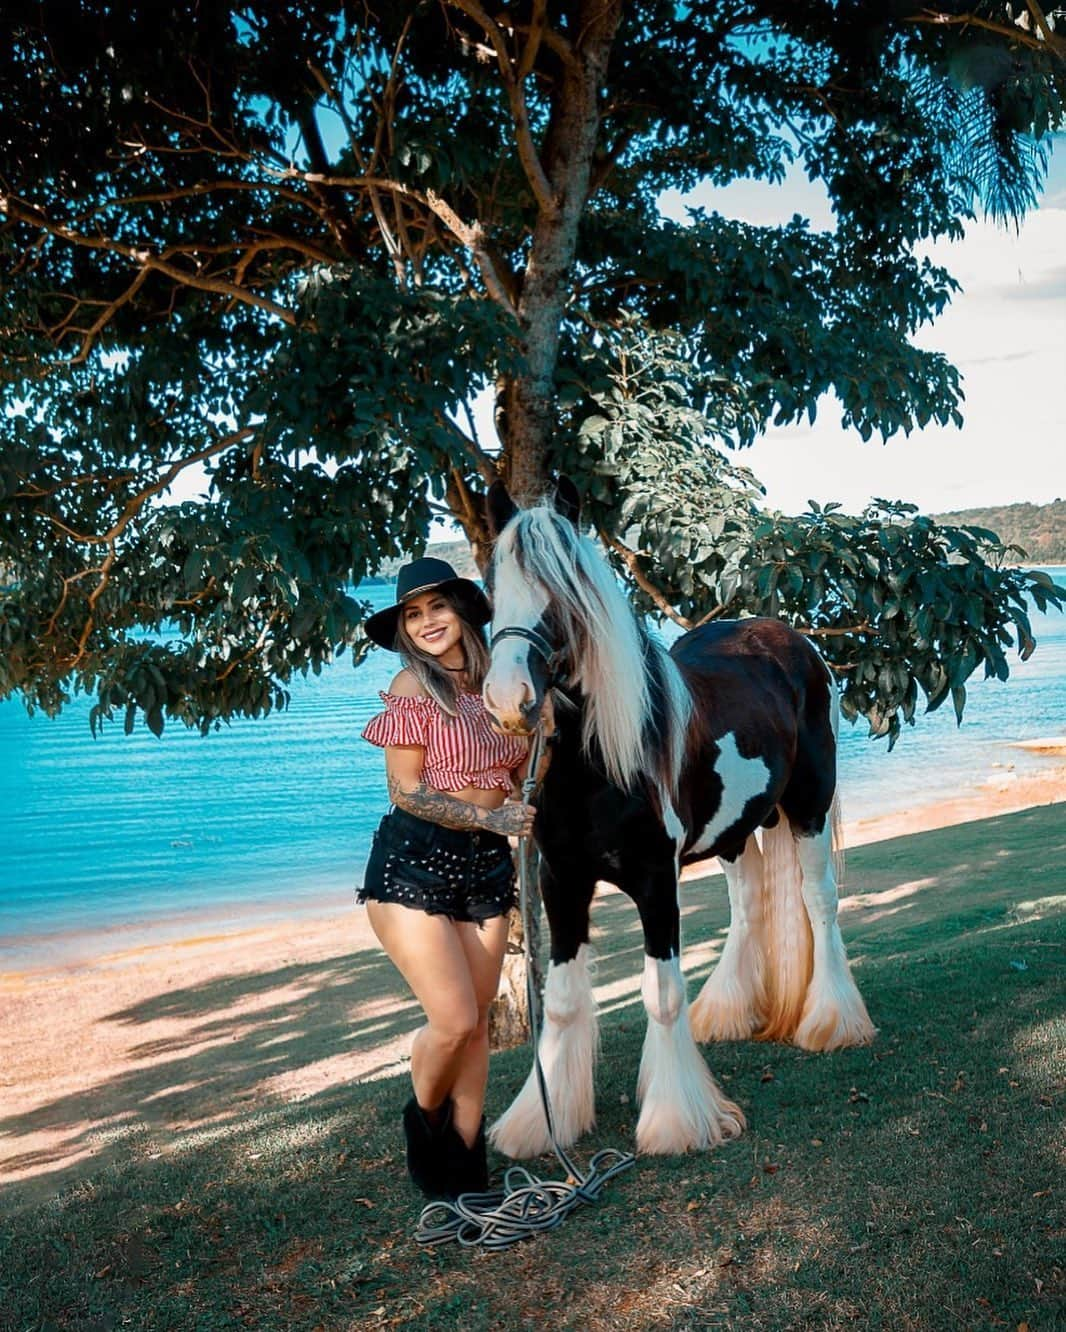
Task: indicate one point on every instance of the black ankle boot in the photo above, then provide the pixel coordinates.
(428, 1156)
(468, 1170)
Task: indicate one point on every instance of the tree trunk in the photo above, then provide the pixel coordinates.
(509, 1013)
(528, 401)
(526, 407)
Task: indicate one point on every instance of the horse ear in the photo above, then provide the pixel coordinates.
(500, 508)
(567, 500)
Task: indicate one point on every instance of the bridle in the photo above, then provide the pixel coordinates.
(552, 656)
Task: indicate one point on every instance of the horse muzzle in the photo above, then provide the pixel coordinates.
(520, 721)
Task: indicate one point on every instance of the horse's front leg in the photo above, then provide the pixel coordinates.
(569, 1039)
(682, 1106)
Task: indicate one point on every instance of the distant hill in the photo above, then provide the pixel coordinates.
(1040, 529)
(457, 553)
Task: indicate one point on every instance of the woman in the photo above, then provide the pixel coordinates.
(440, 880)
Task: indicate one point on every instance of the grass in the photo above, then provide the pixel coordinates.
(917, 1184)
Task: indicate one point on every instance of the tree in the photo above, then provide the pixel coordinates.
(289, 242)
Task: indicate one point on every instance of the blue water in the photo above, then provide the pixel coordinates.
(276, 814)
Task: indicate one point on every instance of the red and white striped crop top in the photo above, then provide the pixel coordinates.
(460, 751)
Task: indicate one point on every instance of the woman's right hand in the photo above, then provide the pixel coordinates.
(511, 819)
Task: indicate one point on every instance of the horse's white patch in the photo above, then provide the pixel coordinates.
(742, 780)
(675, 829)
(663, 989)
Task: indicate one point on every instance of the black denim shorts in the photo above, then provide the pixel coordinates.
(468, 876)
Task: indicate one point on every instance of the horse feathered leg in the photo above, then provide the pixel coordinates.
(786, 931)
(569, 1041)
(682, 1106)
(834, 1014)
(731, 1005)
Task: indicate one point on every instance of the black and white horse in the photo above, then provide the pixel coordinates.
(660, 759)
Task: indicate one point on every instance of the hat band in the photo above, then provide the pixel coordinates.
(426, 587)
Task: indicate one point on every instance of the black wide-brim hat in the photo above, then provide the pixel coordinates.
(428, 575)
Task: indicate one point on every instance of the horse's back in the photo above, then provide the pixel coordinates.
(760, 687)
(751, 643)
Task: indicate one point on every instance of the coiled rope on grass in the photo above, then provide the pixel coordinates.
(525, 1206)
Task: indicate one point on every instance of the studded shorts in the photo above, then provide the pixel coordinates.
(468, 876)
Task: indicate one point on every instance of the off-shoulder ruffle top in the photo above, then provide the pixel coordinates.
(460, 751)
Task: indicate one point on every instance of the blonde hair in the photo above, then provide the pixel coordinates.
(438, 682)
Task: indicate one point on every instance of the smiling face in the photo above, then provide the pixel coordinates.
(433, 625)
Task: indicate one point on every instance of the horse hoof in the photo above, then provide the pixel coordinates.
(665, 1132)
(717, 1022)
(825, 1032)
(521, 1136)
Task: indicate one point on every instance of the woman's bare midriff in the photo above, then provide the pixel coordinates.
(476, 795)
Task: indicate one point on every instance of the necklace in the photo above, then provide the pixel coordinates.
(455, 670)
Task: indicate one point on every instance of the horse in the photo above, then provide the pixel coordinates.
(659, 759)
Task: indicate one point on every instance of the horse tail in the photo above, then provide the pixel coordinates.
(836, 819)
(788, 942)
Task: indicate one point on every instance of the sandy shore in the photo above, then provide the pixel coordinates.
(166, 1036)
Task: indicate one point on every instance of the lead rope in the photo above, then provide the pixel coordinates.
(525, 1205)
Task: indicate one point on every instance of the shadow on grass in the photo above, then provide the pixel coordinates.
(914, 1184)
(236, 1033)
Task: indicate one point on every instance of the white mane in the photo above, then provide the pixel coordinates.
(614, 661)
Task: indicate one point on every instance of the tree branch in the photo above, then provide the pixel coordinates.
(256, 646)
(485, 466)
(632, 563)
(842, 631)
(136, 502)
(199, 189)
(1039, 18)
(471, 235)
(34, 217)
(343, 231)
(391, 244)
(513, 81)
(938, 18)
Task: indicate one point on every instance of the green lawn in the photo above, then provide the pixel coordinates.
(917, 1184)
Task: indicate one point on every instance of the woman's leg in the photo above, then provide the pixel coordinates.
(428, 951)
(484, 948)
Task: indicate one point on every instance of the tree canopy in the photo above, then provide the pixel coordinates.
(290, 242)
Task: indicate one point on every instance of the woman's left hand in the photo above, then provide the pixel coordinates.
(512, 819)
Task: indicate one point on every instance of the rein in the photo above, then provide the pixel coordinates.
(525, 1205)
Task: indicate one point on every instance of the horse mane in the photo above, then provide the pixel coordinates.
(637, 706)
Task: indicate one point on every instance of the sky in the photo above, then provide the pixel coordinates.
(1006, 333)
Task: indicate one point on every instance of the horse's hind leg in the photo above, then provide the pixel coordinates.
(569, 1040)
(681, 1104)
(732, 1004)
(834, 1014)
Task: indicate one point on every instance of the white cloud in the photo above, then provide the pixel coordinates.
(757, 201)
(1005, 331)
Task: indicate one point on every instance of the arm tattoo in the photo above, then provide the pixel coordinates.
(437, 806)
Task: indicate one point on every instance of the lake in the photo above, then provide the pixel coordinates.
(275, 816)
